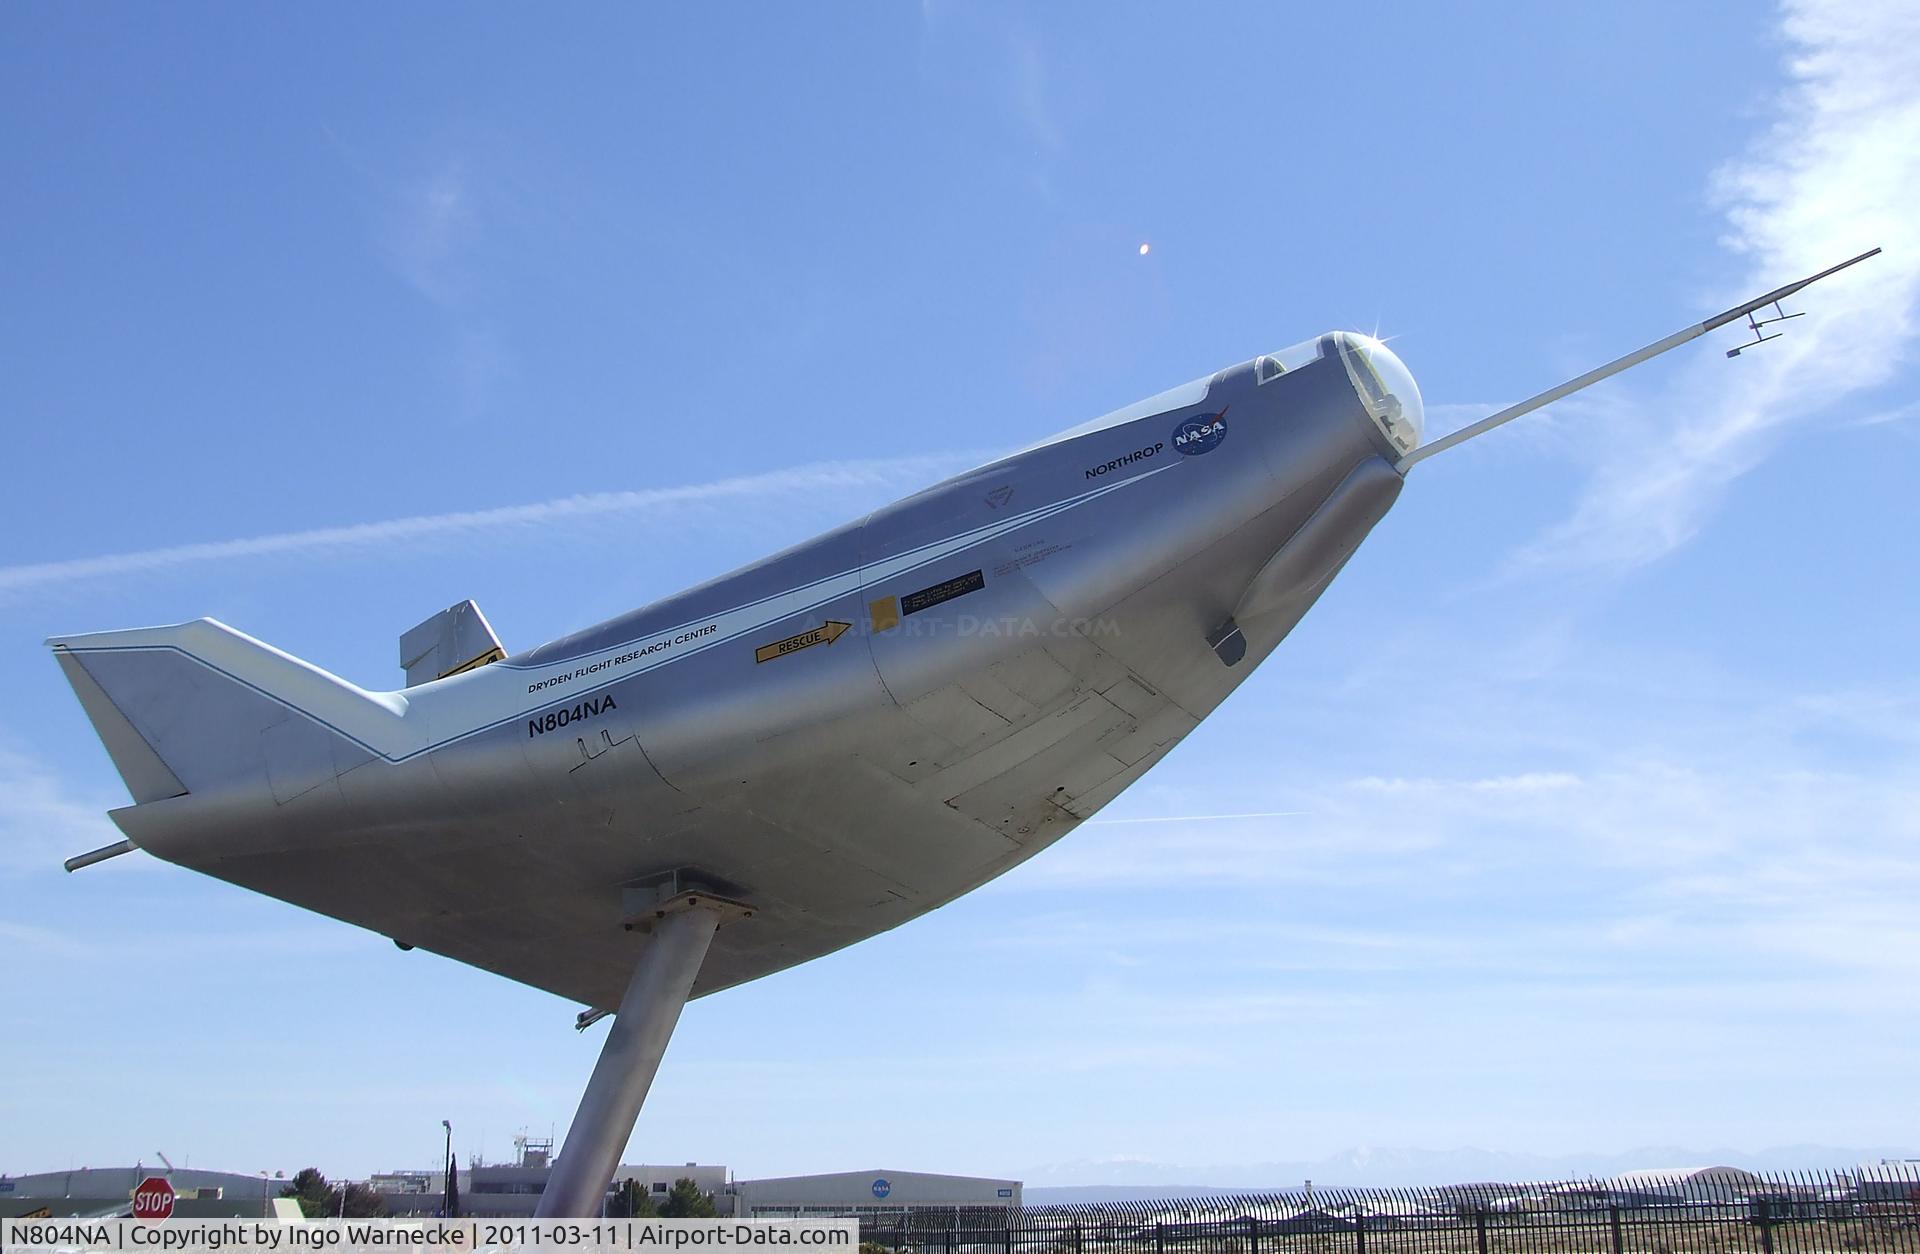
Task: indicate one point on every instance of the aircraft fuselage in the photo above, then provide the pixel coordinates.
(845, 734)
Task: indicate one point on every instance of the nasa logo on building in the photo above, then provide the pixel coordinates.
(882, 1187)
(1200, 435)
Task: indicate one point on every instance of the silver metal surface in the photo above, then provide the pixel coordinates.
(101, 854)
(846, 734)
(635, 1043)
(456, 639)
(1020, 643)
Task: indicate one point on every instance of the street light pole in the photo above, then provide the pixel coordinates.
(446, 1167)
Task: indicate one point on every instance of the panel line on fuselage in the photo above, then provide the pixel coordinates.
(770, 609)
(945, 546)
(859, 577)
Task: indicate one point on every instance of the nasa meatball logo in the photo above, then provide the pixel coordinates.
(882, 1187)
(1200, 435)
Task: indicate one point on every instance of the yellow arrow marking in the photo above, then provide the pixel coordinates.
(826, 634)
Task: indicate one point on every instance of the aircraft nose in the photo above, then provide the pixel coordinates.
(1386, 388)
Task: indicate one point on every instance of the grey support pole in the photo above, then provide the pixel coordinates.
(635, 1043)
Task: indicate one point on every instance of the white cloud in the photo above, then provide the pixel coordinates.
(1837, 174)
(1697, 830)
(1532, 782)
(40, 823)
(815, 477)
(1888, 417)
(431, 223)
(1030, 92)
(24, 940)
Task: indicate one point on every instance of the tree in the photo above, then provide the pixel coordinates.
(687, 1202)
(362, 1203)
(630, 1201)
(320, 1200)
(311, 1190)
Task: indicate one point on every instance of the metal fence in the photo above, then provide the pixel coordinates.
(1716, 1212)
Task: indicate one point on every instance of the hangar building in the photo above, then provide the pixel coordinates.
(914, 1199)
(921, 1199)
(92, 1191)
(931, 1201)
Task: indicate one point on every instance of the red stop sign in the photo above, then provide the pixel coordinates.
(153, 1199)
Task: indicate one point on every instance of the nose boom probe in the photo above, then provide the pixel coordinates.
(1632, 359)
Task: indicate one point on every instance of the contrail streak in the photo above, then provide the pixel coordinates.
(1203, 818)
(817, 476)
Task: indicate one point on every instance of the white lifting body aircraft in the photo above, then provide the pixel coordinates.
(795, 756)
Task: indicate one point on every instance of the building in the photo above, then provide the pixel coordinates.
(512, 1190)
(504, 1190)
(387, 1183)
(913, 1199)
(884, 1198)
(1889, 1180)
(1679, 1186)
(658, 1181)
(101, 1192)
(887, 1199)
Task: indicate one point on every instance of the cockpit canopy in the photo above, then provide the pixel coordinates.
(1382, 381)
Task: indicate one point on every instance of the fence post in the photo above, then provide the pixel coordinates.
(1009, 1239)
(1765, 1220)
(1480, 1230)
(949, 1241)
(1360, 1233)
(1253, 1235)
(1159, 1237)
(1613, 1223)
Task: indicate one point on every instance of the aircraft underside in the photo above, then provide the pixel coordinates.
(833, 832)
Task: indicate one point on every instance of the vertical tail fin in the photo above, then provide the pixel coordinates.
(200, 706)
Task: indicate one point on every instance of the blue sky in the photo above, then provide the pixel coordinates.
(1587, 797)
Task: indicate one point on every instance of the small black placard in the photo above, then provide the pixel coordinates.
(958, 586)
